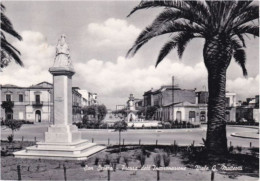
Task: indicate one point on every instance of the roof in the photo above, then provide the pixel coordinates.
(185, 103)
(42, 85)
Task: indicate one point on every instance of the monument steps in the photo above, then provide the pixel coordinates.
(83, 152)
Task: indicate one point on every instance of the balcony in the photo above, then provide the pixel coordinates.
(76, 104)
(37, 103)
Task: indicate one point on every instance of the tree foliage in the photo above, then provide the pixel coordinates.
(7, 106)
(120, 126)
(186, 20)
(150, 111)
(97, 111)
(13, 125)
(8, 51)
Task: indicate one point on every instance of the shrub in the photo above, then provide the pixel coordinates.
(82, 164)
(118, 159)
(157, 160)
(239, 149)
(126, 160)
(96, 161)
(231, 148)
(13, 125)
(107, 160)
(141, 157)
(166, 159)
(10, 138)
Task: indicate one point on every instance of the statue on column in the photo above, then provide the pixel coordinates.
(62, 58)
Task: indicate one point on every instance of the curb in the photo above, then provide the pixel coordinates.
(248, 137)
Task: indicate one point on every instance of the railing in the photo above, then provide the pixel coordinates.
(37, 103)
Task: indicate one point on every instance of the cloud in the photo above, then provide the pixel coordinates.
(244, 87)
(111, 33)
(37, 56)
(125, 76)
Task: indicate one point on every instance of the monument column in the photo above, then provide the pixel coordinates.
(62, 70)
(62, 95)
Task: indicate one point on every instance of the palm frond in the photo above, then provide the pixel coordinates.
(6, 43)
(240, 57)
(239, 54)
(201, 11)
(240, 36)
(166, 50)
(5, 20)
(2, 7)
(10, 30)
(8, 49)
(159, 3)
(168, 27)
(251, 13)
(182, 42)
(237, 9)
(250, 29)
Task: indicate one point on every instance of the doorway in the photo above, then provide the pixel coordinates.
(38, 116)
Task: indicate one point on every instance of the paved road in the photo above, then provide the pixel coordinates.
(165, 136)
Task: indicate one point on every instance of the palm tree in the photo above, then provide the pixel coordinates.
(8, 51)
(223, 25)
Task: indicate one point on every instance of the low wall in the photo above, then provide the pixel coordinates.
(143, 124)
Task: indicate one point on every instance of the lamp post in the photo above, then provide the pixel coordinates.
(172, 98)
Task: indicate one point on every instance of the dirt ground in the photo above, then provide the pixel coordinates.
(91, 169)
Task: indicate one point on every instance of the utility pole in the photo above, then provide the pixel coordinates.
(172, 98)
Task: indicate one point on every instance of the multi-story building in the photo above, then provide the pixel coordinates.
(164, 97)
(93, 98)
(248, 110)
(187, 105)
(76, 104)
(35, 103)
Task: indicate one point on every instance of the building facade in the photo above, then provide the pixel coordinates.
(35, 103)
(189, 105)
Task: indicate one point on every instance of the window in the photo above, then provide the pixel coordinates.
(227, 101)
(37, 98)
(20, 98)
(8, 97)
(192, 114)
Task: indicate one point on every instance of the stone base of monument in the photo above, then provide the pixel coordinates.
(61, 143)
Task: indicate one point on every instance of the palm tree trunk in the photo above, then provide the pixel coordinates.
(217, 55)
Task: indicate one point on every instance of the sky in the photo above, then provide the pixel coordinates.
(99, 35)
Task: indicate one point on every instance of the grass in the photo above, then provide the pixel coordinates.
(186, 157)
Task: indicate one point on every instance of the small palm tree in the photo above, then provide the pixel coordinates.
(223, 25)
(8, 51)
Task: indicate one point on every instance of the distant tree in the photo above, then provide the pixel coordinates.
(150, 111)
(120, 126)
(102, 111)
(8, 51)
(90, 110)
(7, 106)
(93, 115)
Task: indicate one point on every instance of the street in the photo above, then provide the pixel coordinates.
(147, 136)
